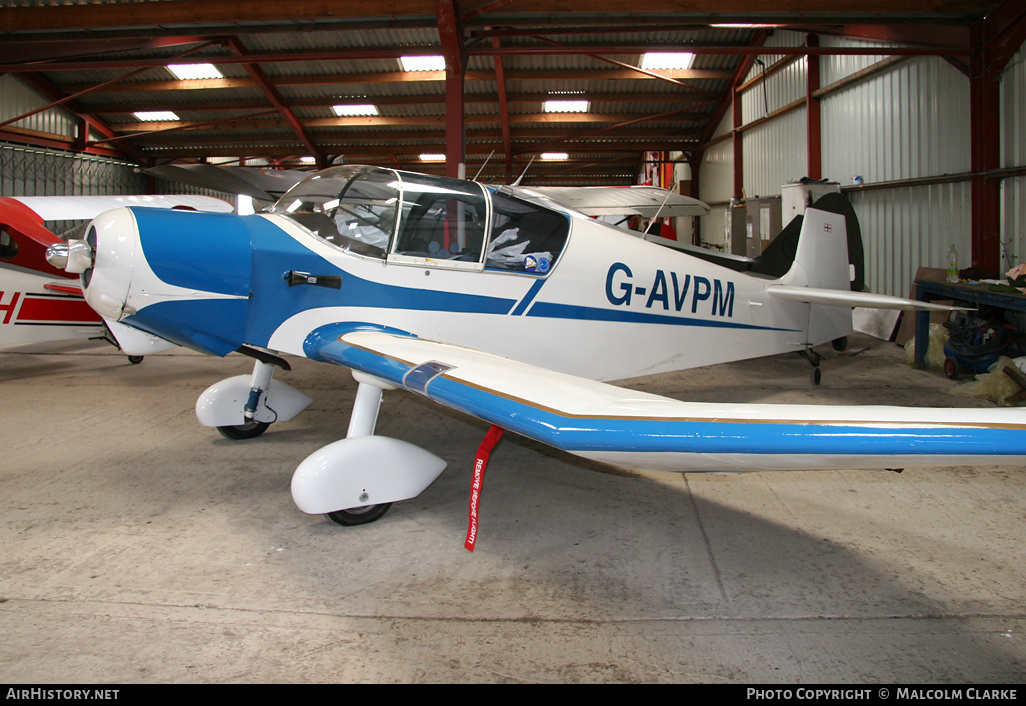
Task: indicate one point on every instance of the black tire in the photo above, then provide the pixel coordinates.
(135, 359)
(359, 515)
(249, 430)
(951, 368)
(840, 344)
(817, 376)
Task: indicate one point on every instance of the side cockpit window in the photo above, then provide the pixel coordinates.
(442, 220)
(8, 246)
(524, 237)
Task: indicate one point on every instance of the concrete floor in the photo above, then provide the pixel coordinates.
(140, 547)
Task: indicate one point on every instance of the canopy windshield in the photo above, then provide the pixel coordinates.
(436, 221)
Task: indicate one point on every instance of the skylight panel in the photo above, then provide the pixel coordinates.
(155, 115)
(190, 72)
(667, 60)
(566, 106)
(423, 63)
(355, 110)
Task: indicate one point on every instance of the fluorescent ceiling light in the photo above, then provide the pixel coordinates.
(432, 158)
(555, 155)
(187, 72)
(365, 109)
(667, 60)
(155, 115)
(423, 63)
(308, 160)
(566, 106)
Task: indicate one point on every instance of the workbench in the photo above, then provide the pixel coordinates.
(969, 292)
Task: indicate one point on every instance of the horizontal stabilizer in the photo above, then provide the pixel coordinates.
(639, 430)
(847, 298)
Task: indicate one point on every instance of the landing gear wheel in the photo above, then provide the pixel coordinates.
(135, 359)
(249, 430)
(817, 376)
(951, 368)
(359, 515)
(840, 344)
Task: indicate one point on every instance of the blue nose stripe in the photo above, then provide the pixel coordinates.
(208, 252)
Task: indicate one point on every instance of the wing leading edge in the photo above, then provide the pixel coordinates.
(639, 430)
(645, 201)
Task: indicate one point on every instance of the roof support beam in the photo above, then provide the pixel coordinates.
(726, 100)
(272, 95)
(592, 133)
(450, 31)
(813, 130)
(738, 145)
(995, 40)
(86, 119)
(192, 12)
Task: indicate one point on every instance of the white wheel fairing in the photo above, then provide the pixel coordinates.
(223, 403)
(363, 470)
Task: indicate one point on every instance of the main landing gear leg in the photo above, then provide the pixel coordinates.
(260, 381)
(362, 422)
(814, 359)
(363, 474)
(244, 406)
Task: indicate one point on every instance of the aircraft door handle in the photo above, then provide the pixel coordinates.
(294, 278)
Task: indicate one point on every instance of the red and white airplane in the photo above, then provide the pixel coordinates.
(38, 302)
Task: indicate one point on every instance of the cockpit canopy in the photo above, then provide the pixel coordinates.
(419, 219)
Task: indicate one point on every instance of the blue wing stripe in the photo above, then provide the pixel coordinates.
(696, 436)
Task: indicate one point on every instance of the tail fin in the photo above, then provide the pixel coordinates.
(821, 250)
(818, 249)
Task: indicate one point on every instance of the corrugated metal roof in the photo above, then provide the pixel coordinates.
(582, 54)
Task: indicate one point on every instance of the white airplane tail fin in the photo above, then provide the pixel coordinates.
(821, 251)
(822, 248)
(823, 257)
(821, 254)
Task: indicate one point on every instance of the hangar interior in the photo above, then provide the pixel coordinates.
(139, 548)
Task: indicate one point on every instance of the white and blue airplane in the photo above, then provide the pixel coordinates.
(503, 304)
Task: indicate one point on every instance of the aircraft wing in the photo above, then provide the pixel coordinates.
(847, 298)
(639, 430)
(644, 201)
(85, 208)
(263, 184)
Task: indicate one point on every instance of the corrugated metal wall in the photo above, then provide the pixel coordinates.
(775, 154)
(18, 99)
(1013, 154)
(910, 227)
(775, 150)
(33, 171)
(908, 121)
